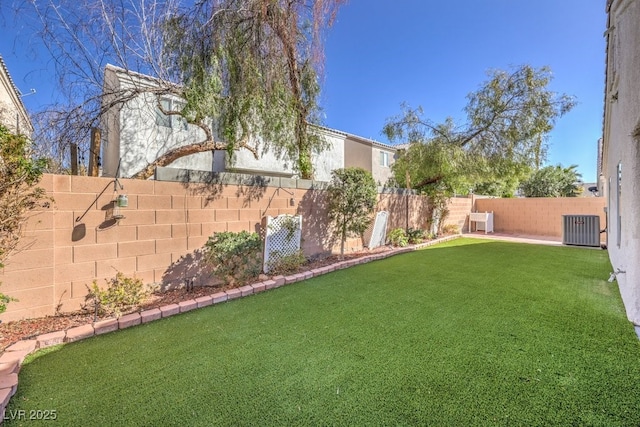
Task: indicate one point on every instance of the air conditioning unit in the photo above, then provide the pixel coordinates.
(581, 230)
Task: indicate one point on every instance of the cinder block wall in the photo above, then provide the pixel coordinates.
(405, 210)
(165, 225)
(74, 241)
(459, 209)
(539, 216)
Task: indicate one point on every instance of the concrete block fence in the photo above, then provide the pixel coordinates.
(14, 355)
(79, 237)
(539, 216)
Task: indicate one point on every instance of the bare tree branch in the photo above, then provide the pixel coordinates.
(253, 66)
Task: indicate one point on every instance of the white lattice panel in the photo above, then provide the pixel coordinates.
(282, 238)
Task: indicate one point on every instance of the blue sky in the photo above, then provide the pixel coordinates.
(431, 53)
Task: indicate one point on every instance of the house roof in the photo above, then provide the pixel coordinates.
(136, 77)
(156, 81)
(603, 146)
(359, 138)
(14, 93)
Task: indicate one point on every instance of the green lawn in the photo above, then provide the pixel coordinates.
(469, 332)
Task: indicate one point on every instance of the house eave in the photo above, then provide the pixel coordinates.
(15, 95)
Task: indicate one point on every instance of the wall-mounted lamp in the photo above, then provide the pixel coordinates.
(292, 202)
(123, 201)
(120, 202)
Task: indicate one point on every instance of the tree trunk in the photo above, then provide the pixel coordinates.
(343, 238)
(284, 33)
(186, 150)
(173, 155)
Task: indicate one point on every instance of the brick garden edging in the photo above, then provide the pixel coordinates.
(13, 356)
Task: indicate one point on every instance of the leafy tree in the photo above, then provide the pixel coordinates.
(508, 121)
(503, 180)
(553, 181)
(504, 137)
(18, 195)
(352, 195)
(252, 66)
(439, 170)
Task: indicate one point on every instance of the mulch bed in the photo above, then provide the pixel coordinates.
(14, 331)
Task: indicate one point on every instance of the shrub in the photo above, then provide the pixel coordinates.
(352, 195)
(122, 294)
(235, 257)
(553, 181)
(398, 237)
(4, 300)
(415, 235)
(450, 229)
(19, 174)
(286, 264)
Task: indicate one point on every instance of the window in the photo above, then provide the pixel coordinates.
(161, 118)
(384, 158)
(171, 121)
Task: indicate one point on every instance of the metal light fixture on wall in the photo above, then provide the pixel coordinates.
(122, 201)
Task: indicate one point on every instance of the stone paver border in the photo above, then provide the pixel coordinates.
(13, 356)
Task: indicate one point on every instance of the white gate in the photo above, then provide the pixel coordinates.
(282, 238)
(379, 233)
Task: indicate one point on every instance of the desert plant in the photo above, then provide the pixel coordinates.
(451, 229)
(415, 235)
(234, 257)
(121, 294)
(398, 237)
(286, 264)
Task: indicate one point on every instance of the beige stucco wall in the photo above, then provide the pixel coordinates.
(622, 147)
(363, 153)
(357, 154)
(380, 172)
(110, 124)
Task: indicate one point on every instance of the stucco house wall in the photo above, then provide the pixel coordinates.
(13, 114)
(270, 164)
(137, 132)
(621, 148)
(369, 154)
(357, 154)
